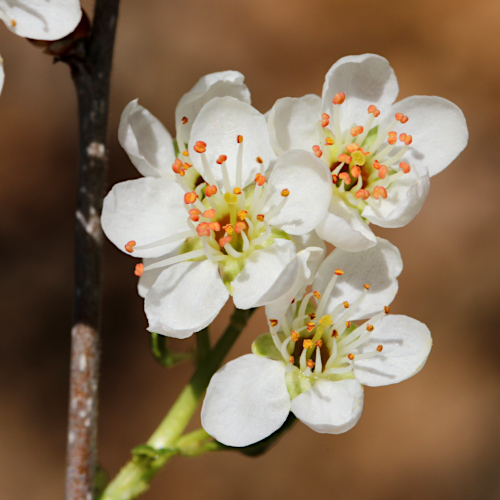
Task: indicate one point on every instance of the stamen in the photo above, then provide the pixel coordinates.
(285, 193)
(317, 151)
(210, 190)
(355, 131)
(325, 120)
(239, 226)
(190, 197)
(200, 146)
(362, 194)
(372, 109)
(260, 179)
(329, 141)
(184, 120)
(295, 336)
(130, 246)
(310, 363)
(401, 118)
(404, 167)
(378, 192)
(209, 214)
(194, 254)
(339, 98)
(139, 269)
(224, 241)
(393, 137)
(194, 214)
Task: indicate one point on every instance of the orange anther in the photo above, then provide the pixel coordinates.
(273, 322)
(177, 167)
(291, 360)
(379, 191)
(194, 214)
(317, 151)
(237, 190)
(346, 304)
(408, 140)
(208, 213)
(318, 343)
(184, 120)
(260, 217)
(210, 190)
(335, 178)
(355, 171)
(367, 286)
(382, 171)
(335, 334)
(401, 118)
(307, 344)
(393, 137)
(202, 229)
(362, 194)
(350, 356)
(259, 159)
(310, 363)
(285, 193)
(187, 165)
(13, 23)
(239, 226)
(228, 228)
(221, 159)
(260, 179)
(348, 324)
(224, 241)
(200, 146)
(357, 130)
(130, 246)
(239, 139)
(339, 272)
(339, 98)
(376, 165)
(352, 147)
(402, 137)
(404, 167)
(329, 141)
(370, 328)
(185, 153)
(190, 197)
(139, 269)
(317, 295)
(379, 348)
(242, 214)
(345, 177)
(386, 309)
(214, 226)
(325, 120)
(295, 336)
(373, 110)
(344, 158)
(310, 326)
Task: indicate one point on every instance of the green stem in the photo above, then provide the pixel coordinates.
(203, 345)
(164, 355)
(135, 476)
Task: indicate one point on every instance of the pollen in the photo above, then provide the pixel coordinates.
(386, 309)
(317, 151)
(291, 360)
(184, 120)
(344, 158)
(237, 190)
(339, 272)
(346, 304)
(295, 336)
(200, 146)
(379, 192)
(190, 197)
(404, 167)
(370, 328)
(228, 228)
(260, 179)
(239, 139)
(130, 246)
(208, 213)
(239, 226)
(139, 269)
(259, 160)
(318, 343)
(310, 363)
(372, 109)
(194, 214)
(367, 286)
(362, 194)
(273, 322)
(329, 141)
(285, 193)
(230, 198)
(393, 137)
(224, 241)
(350, 356)
(379, 348)
(339, 98)
(307, 344)
(310, 326)
(325, 120)
(260, 217)
(221, 159)
(242, 214)
(355, 131)
(317, 295)
(210, 190)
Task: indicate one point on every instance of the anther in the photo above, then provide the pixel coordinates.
(317, 151)
(404, 167)
(335, 178)
(239, 226)
(273, 322)
(239, 139)
(285, 193)
(221, 159)
(318, 343)
(237, 190)
(210, 190)
(214, 226)
(260, 217)
(393, 137)
(370, 328)
(401, 118)
(372, 109)
(242, 214)
(339, 272)
(350, 356)
(344, 158)
(345, 177)
(295, 336)
(130, 246)
(329, 141)
(348, 324)
(346, 304)
(310, 363)
(259, 160)
(386, 309)
(362, 194)
(139, 269)
(228, 228)
(317, 295)
(382, 171)
(202, 229)
(307, 344)
(177, 167)
(339, 98)
(291, 360)
(335, 334)
(208, 213)
(200, 147)
(185, 153)
(379, 192)
(13, 23)
(355, 131)
(260, 179)
(379, 348)
(325, 120)
(352, 147)
(184, 120)
(194, 214)
(310, 326)
(355, 171)
(224, 241)
(187, 165)
(190, 197)
(408, 140)
(367, 286)
(312, 315)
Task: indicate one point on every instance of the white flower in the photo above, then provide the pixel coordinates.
(39, 19)
(229, 235)
(314, 361)
(380, 154)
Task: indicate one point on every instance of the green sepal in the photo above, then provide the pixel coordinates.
(264, 346)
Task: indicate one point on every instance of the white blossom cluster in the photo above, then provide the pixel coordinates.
(241, 204)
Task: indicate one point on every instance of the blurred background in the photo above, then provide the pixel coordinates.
(435, 436)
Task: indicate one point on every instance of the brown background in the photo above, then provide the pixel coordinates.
(435, 436)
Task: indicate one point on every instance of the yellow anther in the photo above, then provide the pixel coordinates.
(350, 356)
(310, 363)
(295, 336)
(285, 193)
(348, 324)
(370, 328)
(317, 295)
(242, 214)
(335, 334)
(260, 217)
(318, 343)
(237, 190)
(228, 228)
(259, 159)
(307, 344)
(312, 315)
(379, 348)
(239, 139)
(339, 272)
(346, 304)
(367, 286)
(273, 322)
(185, 153)
(310, 326)
(328, 141)
(291, 359)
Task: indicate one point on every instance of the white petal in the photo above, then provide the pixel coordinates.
(309, 260)
(365, 79)
(267, 275)
(309, 182)
(185, 298)
(303, 241)
(378, 267)
(148, 278)
(246, 401)
(147, 142)
(218, 125)
(343, 227)
(292, 123)
(330, 407)
(404, 200)
(223, 83)
(2, 74)
(406, 345)
(145, 211)
(42, 19)
(438, 129)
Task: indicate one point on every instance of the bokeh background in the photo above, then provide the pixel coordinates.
(436, 436)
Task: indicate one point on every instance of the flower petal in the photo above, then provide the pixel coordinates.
(148, 278)
(218, 125)
(406, 345)
(405, 199)
(343, 227)
(267, 275)
(438, 129)
(292, 123)
(144, 210)
(220, 84)
(43, 19)
(309, 182)
(147, 142)
(365, 79)
(330, 407)
(378, 266)
(2, 74)
(246, 401)
(185, 298)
